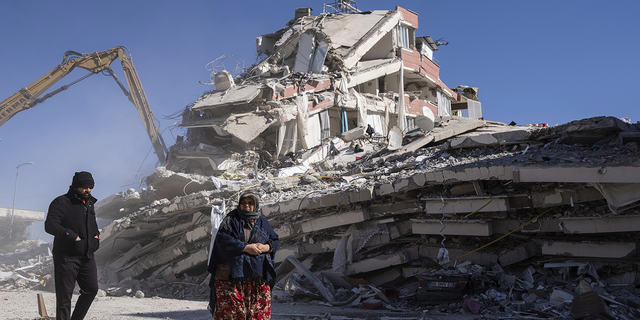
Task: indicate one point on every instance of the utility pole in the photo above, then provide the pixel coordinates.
(13, 207)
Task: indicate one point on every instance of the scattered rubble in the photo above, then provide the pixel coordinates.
(446, 211)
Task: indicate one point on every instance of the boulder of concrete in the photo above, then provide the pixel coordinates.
(353, 134)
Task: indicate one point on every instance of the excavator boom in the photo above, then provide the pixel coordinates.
(95, 63)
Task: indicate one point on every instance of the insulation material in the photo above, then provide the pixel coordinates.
(287, 137)
(361, 104)
(378, 122)
(302, 102)
(619, 194)
(217, 214)
(342, 86)
(395, 138)
(443, 256)
(402, 117)
(325, 124)
(314, 130)
(387, 106)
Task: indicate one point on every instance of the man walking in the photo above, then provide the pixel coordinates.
(71, 219)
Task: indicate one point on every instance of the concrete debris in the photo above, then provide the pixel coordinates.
(459, 213)
(521, 240)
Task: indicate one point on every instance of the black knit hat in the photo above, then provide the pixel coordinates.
(82, 179)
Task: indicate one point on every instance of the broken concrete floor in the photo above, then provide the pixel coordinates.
(382, 223)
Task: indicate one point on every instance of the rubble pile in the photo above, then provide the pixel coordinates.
(568, 289)
(387, 188)
(27, 268)
(383, 220)
(32, 269)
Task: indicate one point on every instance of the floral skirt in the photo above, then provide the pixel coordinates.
(249, 299)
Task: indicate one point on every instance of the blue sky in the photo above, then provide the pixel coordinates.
(534, 62)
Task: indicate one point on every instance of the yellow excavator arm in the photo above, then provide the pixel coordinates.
(98, 62)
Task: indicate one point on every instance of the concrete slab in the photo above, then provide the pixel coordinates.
(395, 208)
(248, 126)
(386, 276)
(452, 227)
(492, 135)
(240, 94)
(354, 35)
(169, 184)
(448, 127)
(481, 258)
(331, 221)
(30, 215)
(400, 229)
(543, 224)
(377, 263)
(589, 225)
(465, 205)
(585, 131)
(519, 253)
(594, 250)
(320, 246)
(553, 198)
(593, 174)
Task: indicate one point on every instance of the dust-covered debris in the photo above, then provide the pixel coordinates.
(385, 185)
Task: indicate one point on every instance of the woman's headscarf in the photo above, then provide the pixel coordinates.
(248, 214)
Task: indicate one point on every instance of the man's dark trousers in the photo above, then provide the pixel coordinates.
(68, 270)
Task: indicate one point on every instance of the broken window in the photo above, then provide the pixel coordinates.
(444, 105)
(405, 35)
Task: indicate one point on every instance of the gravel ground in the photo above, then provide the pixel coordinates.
(24, 305)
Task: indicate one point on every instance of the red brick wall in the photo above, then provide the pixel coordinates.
(292, 91)
(411, 60)
(410, 17)
(326, 103)
(414, 106)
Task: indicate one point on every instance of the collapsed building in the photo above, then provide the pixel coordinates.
(374, 173)
(319, 77)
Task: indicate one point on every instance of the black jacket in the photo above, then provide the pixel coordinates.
(68, 218)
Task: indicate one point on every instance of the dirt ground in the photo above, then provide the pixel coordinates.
(24, 305)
